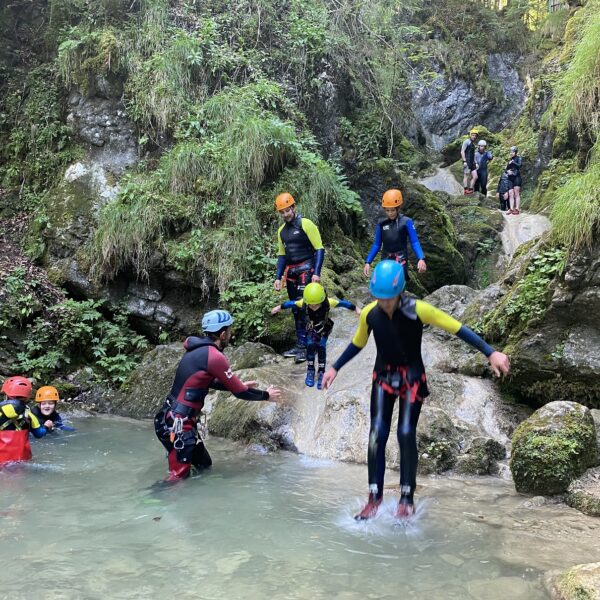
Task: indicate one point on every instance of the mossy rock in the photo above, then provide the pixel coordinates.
(584, 493)
(581, 582)
(481, 458)
(552, 448)
(437, 441)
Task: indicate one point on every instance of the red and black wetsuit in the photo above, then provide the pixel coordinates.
(202, 367)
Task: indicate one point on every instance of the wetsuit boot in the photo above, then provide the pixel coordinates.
(291, 353)
(310, 377)
(177, 470)
(406, 506)
(370, 509)
(320, 379)
(300, 354)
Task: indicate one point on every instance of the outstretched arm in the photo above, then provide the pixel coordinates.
(433, 316)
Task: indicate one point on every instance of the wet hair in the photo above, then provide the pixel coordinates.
(215, 335)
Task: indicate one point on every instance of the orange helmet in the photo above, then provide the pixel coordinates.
(284, 200)
(392, 199)
(17, 387)
(47, 393)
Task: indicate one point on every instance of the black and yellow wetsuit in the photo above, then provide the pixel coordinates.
(300, 255)
(16, 416)
(399, 371)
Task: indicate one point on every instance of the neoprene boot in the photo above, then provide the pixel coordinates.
(310, 377)
(177, 470)
(370, 509)
(320, 379)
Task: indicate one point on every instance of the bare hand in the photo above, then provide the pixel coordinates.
(421, 266)
(275, 309)
(277, 285)
(274, 393)
(500, 363)
(328, 378)
(250, 384)
(367, 270)
(316, 278)
(49, 424)
(358, 310)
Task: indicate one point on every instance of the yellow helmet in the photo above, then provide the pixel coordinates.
(47, 393)
(475, 131)
(392, 199)
(284, 200)
(314, 293)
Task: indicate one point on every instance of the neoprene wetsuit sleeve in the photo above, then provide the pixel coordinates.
(319, 257)
(376, 247)
(218, 367)
(414, 240)
(343, 304)
(430, 315)
(291, 304)
(281, 262)
(315, 239)
(359, 341)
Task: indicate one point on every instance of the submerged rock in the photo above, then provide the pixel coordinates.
(552, 448)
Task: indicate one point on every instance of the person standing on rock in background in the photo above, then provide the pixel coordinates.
(202, 367)
(393, 234)
(482, 157)
(397, 324)
(513, 170)
(467, 153)
(503, 192)
(300, 257)
(318, 326)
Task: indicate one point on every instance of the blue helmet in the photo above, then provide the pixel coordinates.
(387, 280)
(215, 320)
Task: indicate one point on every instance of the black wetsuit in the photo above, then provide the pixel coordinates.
(504, 186)
(301, 256)
(203, 366)
(514, 165)
(399, 372)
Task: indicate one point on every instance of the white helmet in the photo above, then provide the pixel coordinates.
(482, 143)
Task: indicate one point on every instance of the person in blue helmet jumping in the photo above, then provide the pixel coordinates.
(203, 367)
(397, 324)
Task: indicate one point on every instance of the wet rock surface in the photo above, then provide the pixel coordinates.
(553, 447)
(584, 493)
(581, 582)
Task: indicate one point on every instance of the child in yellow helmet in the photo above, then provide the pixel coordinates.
(45, 409)
(318, 326)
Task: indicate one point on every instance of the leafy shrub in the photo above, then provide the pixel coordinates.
(76, 333)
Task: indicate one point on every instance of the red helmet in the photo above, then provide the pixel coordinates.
(17, 387)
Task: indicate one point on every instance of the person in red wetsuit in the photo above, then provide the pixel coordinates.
(203, 366)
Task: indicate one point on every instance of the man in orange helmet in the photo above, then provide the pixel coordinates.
(300, 256)
(393, 234)
(16, 421)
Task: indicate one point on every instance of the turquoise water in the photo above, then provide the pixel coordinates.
(84, 519)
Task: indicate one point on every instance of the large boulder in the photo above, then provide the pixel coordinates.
(552, 448)
(581, 582)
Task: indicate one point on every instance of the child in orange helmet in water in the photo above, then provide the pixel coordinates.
(45, 409)
(16, 421)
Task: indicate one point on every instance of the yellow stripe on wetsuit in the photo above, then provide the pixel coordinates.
(427, 314)
(311, 231)
(333, 302)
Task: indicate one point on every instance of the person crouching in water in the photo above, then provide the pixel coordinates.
(16, 421)
(393, 234)
(318, 326)
(203, 366)
(45, 409)
(397, 324)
